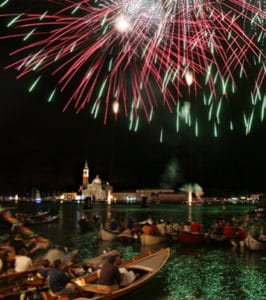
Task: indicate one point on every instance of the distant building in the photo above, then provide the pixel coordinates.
(151, 196)
(97, 190)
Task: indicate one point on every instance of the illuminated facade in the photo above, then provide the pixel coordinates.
(97, 190)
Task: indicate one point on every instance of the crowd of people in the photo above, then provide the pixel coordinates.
(55, 272)
(235, 229)
(18, 254)
(22, 255)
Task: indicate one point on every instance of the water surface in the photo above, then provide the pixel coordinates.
(206, 271)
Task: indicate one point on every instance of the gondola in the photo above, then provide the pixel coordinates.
(144, 267)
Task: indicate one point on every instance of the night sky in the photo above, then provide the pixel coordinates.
(46, 148)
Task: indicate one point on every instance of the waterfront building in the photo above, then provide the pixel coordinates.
(97, 190)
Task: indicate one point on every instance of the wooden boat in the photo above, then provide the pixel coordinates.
(144, 267)
(191, 238)
(22, 216)
(148, 239)
(254, 244)
(13, 285)
(107, 235)
(41, 220)
(219, 239)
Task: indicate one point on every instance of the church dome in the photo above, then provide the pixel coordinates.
(97, 180)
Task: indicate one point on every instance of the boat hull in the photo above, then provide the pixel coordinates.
(219, 239)
(107, 235)
(147, 266)
(191, 238)
(254, 244)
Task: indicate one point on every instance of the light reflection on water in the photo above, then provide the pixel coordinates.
(212, 272)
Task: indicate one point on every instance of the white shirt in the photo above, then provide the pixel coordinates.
(22, 263)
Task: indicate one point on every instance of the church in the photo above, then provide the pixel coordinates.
(97, 190)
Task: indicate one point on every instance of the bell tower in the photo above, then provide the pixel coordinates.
(85, 177)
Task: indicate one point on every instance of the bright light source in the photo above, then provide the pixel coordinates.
(122, 24)
(189, 78)
(115, 107)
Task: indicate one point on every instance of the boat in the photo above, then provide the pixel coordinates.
(144, 267)
(13, 285)
(219, 239)
(108, 235)
(187, 237)
(148, 239)
(126, 235)
(41, 220)
(255, 244)
(22, 216)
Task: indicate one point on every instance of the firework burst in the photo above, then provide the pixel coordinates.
(146, 54)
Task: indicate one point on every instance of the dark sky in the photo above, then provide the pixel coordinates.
(45, 148)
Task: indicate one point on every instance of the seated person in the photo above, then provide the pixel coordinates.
(146, 229)
(109, 275)
(58, 281)
(154, 229)
(161, 227)
(18, 244)
(4, 261)
(22, 261)
(113, 225)
(43, 271)
(127, 276)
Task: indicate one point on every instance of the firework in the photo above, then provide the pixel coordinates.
(146, 54)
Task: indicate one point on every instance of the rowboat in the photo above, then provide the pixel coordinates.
(107, 235)
(144, 267)
(255, 244)
(148, 239)
(191, 238)
(219, 239)
(42, 220)
(21, 216)
(13, 285)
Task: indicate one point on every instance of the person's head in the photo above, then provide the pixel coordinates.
(57, 263)
(18, 237)
(111, 259)
(46, 263)
(22, 252)
(114, 259)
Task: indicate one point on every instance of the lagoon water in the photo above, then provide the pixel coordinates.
(206, 272)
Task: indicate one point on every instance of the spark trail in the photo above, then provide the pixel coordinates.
(146, 54)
